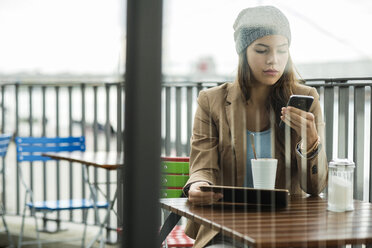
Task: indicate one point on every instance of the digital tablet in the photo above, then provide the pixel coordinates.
(250, 196)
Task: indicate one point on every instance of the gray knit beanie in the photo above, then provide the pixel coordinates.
(257, 22)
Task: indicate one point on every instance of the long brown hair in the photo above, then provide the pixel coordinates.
(278, 96)
(280, 91)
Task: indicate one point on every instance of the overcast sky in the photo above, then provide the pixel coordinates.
(86, 36)
(322, 30)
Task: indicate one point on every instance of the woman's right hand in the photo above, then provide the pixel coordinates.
(198, 197)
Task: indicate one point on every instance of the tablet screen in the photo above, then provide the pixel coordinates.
(265, 197)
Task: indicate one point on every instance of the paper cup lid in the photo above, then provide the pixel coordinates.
(341, 162)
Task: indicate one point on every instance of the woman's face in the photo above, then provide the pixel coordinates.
(267, 58)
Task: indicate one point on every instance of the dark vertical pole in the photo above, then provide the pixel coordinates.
(142, 139)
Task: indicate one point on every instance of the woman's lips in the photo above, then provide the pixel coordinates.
(271, 72)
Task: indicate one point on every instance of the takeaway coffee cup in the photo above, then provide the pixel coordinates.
(264, 172)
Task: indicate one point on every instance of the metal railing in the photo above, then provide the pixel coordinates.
(347, 112)
(96, 110)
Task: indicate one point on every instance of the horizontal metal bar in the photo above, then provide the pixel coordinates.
(339, 84)
(59, 83)
(311, 82)
(183, 83)
(337, 79)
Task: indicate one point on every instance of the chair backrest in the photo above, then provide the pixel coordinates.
(175, 173)
(31, 148)
(4, 142)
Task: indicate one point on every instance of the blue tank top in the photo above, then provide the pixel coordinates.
(262, 141)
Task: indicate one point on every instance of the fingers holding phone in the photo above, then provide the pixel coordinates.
(296, 116)
(302, 122)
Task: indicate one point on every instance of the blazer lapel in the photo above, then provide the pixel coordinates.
(235, 112)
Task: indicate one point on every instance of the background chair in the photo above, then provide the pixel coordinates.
(4, 143)
(175, 173)
(30, 149)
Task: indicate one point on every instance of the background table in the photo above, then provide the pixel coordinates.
(105, 160)
(306, 222)
(101, 159)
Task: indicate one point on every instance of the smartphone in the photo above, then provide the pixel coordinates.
(299, 101)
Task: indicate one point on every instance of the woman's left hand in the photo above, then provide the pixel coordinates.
(302, 122)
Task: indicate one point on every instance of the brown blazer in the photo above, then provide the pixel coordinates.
(218, 149)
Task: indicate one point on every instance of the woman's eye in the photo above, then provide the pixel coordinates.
(282, 51)
(260, 51)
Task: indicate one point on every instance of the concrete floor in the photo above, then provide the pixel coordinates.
(73, 231)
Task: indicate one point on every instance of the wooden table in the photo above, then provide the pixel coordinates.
(306, 222)
(101, 159)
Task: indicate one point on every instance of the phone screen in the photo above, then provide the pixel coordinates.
(301, 102)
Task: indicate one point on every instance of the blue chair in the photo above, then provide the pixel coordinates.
(30, 149)
(4, 142)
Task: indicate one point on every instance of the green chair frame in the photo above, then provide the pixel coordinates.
(175, 173)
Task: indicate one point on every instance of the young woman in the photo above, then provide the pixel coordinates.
(255, 103)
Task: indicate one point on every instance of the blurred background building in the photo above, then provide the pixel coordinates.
(70, 39)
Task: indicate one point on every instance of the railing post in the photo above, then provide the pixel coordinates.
(58, 181)
(179, 149)
(167, 123)
(95, 140)
(16, 134)
(328, 118)
(71, 174)
(43, 133)
(359, 103)
(30, 123)
(343, 121)
(83, 133)
(107, 139)
(189, 104)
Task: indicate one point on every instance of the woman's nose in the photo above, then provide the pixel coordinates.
(272, 58)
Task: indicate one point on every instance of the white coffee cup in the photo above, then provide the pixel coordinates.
(264, 172)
